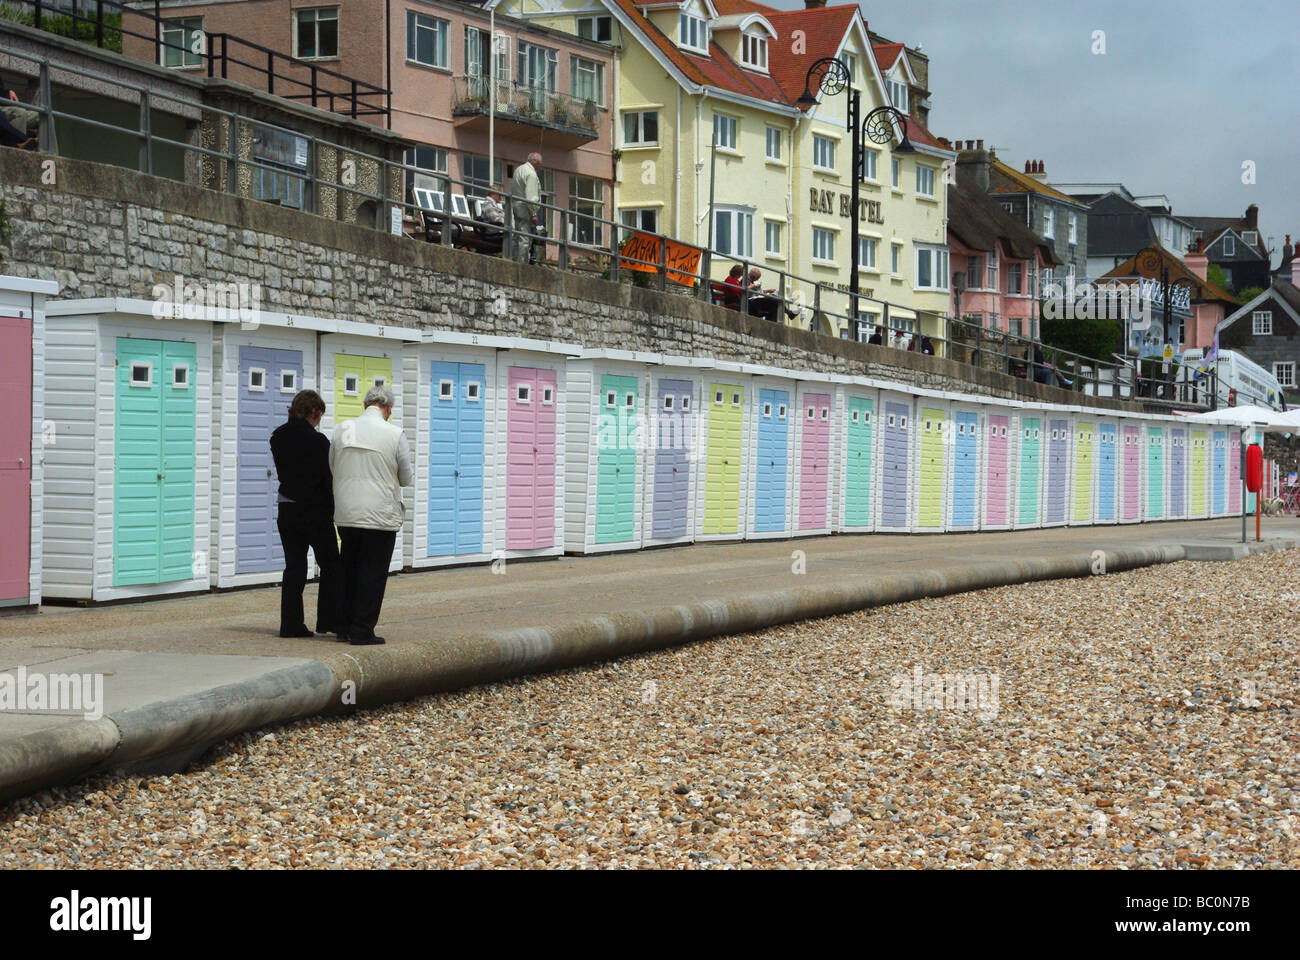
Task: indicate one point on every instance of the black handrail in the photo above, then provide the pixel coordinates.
(356, 94)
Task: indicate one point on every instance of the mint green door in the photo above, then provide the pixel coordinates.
(1155, 473)
(153, 448)
(857, 487)
(1031, 460)
(616, 459)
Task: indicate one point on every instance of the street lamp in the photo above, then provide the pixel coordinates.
(832, 77)
(1151, 260)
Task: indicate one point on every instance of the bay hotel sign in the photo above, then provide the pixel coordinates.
(823, 201)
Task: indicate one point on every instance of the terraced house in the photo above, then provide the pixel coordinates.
(690, 70)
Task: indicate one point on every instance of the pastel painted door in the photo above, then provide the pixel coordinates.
(1177, 473)
(815, 461)
(1155, 473)
(456, 458)
(857, 481)
(268, 380)
(15, 457)
(1199, 473)
(930, 486)
(1031, 469)
(675, 428)
(965, 469)
(722, 459)
(1234, 472)
(1057, 450)
(353, 378)
(1106, 456)
(530, 458)
(894, 467)
(154, 449)
(1132, 473)
(1083, 462)
(772, 472)
(1220, 471)
(616, 441)
(996, 480)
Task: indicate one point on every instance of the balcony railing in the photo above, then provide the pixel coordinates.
(521, 102)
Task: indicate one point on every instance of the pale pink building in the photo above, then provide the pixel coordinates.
(553, 91)
(996, 263)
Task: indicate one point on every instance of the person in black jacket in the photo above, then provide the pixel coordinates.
(306, 515)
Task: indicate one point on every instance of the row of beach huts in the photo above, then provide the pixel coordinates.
(148, 472)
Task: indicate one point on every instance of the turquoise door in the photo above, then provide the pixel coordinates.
(616, 460)
(857, 490)
(153, 477)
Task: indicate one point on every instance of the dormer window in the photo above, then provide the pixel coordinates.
(897, 93)
(753, 51)
(693, 33)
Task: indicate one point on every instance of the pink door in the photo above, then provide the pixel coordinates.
(1132, 461)
(530, 458)
(15, 456)
(995, 500)
(1234, 472)
(814, 461)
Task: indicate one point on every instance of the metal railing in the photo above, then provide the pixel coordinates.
(588, 241)
(221, 52)
(472, 95)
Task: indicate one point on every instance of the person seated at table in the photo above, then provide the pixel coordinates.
(762, 303)
(17, 124)
(491, 211)
(876, 338)
(731, 298)
(927, 346)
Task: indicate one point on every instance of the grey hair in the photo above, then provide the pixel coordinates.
(379, 396)
(534, 158)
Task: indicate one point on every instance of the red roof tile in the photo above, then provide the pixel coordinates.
(887, 54)
(824, 29)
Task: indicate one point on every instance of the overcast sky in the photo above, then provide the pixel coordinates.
(1185, 93)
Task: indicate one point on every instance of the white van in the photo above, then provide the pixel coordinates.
(1253, 385)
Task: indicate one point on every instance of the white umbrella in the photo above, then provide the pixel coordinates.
(1270, 421)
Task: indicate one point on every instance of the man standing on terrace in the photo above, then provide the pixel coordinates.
(525, 195)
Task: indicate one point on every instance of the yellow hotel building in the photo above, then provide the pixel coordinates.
(781, 198)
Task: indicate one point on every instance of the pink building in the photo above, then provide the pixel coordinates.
(996, 262)
(553, 91)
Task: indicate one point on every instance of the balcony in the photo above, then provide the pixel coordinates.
(522, 112)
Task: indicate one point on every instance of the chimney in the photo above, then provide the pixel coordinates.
(1027, 170)
(1197, 262)
(814, 4)
(1252, 217)
(1287, 251)
(1037, 171)
(973, 163)
(979, 144)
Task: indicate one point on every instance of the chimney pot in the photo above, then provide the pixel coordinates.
(1027, 170)
(981, 144)
(814, 4)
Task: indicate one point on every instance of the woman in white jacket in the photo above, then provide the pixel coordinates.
(371, 462)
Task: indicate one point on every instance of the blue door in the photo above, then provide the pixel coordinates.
(1106, 472)
(965, 468)
(268, 380)
(456, 459)
(773, 469)
(1220, 470)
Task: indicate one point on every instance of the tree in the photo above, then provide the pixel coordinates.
(1217, 277)
(1093, 338)
(1249, 294)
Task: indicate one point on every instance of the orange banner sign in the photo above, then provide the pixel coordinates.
(683, 260)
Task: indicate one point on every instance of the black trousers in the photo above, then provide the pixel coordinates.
(364, 564)
(302, 527)
(10, 136)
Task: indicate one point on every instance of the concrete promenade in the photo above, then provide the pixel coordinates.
(179, 675)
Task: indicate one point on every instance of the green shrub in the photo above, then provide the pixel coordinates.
(64, 26)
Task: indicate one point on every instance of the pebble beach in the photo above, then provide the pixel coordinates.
(1144, 719)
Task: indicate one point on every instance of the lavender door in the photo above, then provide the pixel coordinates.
(1132, 469)
(1177, 478)
(1057, 452)
(268, 379)
(1234, 471)
(893, 481)
(995, 500)
(675, 431)
(530, 458)
(15, 457)
(814, 461)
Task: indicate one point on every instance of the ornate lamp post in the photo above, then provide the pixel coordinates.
(832, 77)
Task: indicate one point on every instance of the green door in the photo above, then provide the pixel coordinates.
(1155, 473)
(154, 447)
(1031, 459)
(857, 488)
(616, 459)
